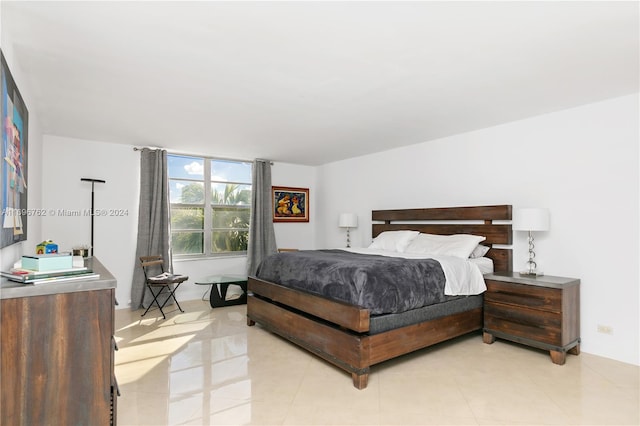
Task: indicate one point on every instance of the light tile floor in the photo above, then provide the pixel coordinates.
(207, 367)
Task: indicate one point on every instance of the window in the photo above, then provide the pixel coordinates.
(210, 205)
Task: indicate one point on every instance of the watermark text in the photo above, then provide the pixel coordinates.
(64, 212)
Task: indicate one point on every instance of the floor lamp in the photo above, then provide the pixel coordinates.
(93, 182)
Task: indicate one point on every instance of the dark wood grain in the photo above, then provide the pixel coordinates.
(342, 347)
(497, 212)
(351, 351)
(338, 332)
(388, 345)
(56, 359)
(543, 299)
(535, 312)
(342, 314)
(542, 326)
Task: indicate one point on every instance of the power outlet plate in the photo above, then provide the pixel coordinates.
(605, 329)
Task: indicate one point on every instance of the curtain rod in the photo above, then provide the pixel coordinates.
(264, 161)
(137, 148)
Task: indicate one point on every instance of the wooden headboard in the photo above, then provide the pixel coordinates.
(476, 220)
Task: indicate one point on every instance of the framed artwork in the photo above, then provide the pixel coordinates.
(290, 204)
(13, 166)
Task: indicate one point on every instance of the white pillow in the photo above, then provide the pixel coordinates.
(458, 245)
(479, 251)
(393, 240)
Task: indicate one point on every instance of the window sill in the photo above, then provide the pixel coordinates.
(213, 257)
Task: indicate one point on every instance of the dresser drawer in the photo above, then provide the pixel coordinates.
(543, 326)
(548, 299)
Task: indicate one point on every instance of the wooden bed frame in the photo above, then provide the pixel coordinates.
(338, 332)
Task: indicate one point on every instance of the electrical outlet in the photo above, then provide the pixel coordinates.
(605, 329)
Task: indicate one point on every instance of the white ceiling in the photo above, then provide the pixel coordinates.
(312, 82)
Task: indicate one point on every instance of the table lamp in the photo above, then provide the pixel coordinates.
(348, 220)
(530, 220)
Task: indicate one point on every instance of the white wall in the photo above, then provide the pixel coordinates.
(68, 160)
(580, 163)
(68, 199)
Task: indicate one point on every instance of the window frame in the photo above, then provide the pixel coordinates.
(208, 207)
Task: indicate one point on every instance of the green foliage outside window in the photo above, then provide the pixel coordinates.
(185, 221)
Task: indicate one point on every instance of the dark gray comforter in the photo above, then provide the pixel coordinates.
(381, 284)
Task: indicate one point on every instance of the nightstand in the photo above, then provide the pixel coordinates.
(542, 312)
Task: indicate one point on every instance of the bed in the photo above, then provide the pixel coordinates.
(352, 337)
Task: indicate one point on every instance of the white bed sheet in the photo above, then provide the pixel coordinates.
(462, 276)
(485, 264)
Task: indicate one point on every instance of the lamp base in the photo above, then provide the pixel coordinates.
(531, 273)
(532, 267)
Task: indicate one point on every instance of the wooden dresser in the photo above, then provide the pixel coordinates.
(56, 352)
(543, 312)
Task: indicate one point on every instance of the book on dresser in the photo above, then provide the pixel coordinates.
(27, 276)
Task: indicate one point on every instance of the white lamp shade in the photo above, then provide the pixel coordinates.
(530, 219)
(348, 220)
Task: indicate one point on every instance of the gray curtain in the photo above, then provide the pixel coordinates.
(153, 220)
(262, 237)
